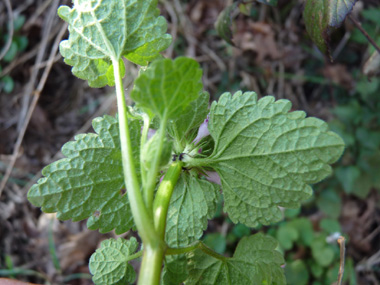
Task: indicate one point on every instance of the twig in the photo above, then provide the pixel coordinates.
(52, 59)
(359, 26)
(187, 29)
(21, 8)
(10, 36)
(219, 62)
(32, 107)
(341, 241)
(41, 8)
(25, 57)
(341, 44)
(33, 77)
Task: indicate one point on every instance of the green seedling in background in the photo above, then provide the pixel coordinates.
(18, 45)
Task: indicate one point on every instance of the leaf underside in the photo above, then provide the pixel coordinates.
(255, 261)
(191, 118)
(109, 264)
(266, 156)
(193, 202)
(175, 270)
(322, 17)
(167, 86)
(105, 30)
(88, 182)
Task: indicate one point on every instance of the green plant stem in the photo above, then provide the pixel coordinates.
(144, 137)
(197, 245)
(151, 265)
(152, 174)
(163, 196)
(135, 255)
(141, 217)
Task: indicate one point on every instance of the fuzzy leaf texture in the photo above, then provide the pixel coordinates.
(109, 264)
(167, 86)
(255, 261)
(181, 128)
(175, 270)
(88, 182)
(266, 156)
(193, 202)
(106, 30)
(322, 17)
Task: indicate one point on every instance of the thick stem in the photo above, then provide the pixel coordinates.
(162, 200)
(142, 220)
(151, 265)
(152, 174)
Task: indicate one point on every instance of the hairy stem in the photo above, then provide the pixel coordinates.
(197, 245)
(141, 217)
(135, 255)
(151, 265)
(152, 175)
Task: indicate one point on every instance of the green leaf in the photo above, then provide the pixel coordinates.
(167, 87)
(363, 185)
(329, 202)
(255, 261)
(216, 242)
(105, 30)
(296, 273)
(88, 182)
(286, 236)
(292, 213)
(316, 270)
(347, 176)
(322, 17)
(193, 202)
(322, 252)
(7, 84)
(241, 230)
(151, 148)
(330, 226)
(191, 118)
(175, 270)
(11, 53)
(18, 22)
(266, 156)
(109, 264)
(224, 22)
(22, 43)
(305, 230)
